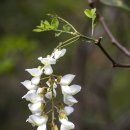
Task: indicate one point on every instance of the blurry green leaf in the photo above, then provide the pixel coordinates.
(37, 30)
(117, 3)
(55, 23)
(66, 28)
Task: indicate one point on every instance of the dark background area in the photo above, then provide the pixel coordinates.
(104, 102)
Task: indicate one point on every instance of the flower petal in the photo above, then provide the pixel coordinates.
(35, 71)
(42, 127)
(29, 85)
(59, 53)
(48, 70)
(75, 89)
(66, 90)
(36, 107)
(68, 110)
(69, 100)
(66, 79)
(35, 80)
(37, 120)
(67, 124)
(47, 61)
(33, 97)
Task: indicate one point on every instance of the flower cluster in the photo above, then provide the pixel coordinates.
(42, 94)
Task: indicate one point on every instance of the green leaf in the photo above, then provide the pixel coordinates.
(117, 3)
(37, 30)
(66, 28)
(88, 13)
(55, 23)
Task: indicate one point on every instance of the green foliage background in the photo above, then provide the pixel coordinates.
(105, 95)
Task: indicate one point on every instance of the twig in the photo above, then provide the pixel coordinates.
(109, 33)
(114, 63)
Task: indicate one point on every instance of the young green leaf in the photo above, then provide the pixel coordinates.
(55, 23)
(66, 28)
(88, 13)
(37, 30)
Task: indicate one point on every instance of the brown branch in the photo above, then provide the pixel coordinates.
(107, 30)
(114, 63)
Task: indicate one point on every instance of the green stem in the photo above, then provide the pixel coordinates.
(70, 42)
(68, 24)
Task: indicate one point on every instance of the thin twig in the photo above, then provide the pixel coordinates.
(114, 41)
(114, 63)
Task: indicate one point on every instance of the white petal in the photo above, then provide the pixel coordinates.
(29, 85)
(35, 71)
(59, 53)
(68, 110)
(37, 120)
(63, 127)
(33, 97)
(48, 70)
(67, 79)
(36, 107)
(49, 94)
(35, 80)
(75, 89)
(47, 61)
(42, 127)
(69, 100)
(66, 90)
(67, 124)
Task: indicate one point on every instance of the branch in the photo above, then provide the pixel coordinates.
(109, 33)
(114, 63)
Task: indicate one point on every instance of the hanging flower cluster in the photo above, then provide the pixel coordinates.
(42, 94)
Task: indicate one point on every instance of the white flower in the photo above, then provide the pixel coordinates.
(58, 53)
(35, 71)
(71, 90)
(66, 79)
(36, 107)
(48, 69)
(66, 125)
(42, 127)
(47, 61)
(35, 80)
(28, 84)
(68, 110)
(33, 96)
(37, 120)
(69, 100)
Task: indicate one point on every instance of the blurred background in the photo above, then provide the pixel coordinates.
(104, 102)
